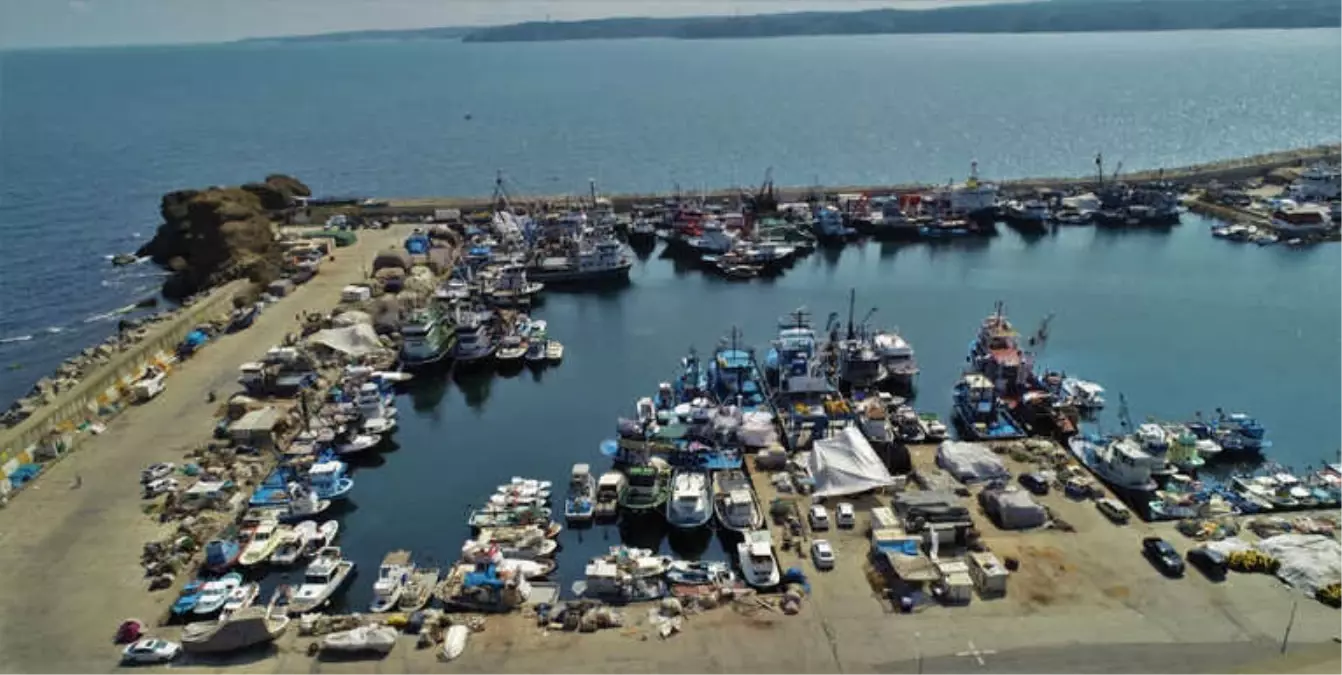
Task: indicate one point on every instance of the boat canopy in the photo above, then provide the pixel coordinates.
(734, 358)
(846, 464)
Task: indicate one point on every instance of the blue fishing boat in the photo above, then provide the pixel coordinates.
(327, 479)
(220, 554)
(188, 598)
(794, 347)
(691, 382)
(580, 505)
(733, 377)
(1238, 435)
(981, 414)
(274, 490)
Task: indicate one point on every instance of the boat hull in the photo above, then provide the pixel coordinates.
(576, 278)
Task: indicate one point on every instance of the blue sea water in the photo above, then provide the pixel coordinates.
(90, 139)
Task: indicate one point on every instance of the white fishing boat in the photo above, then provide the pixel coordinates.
(240, 598)
(531, 570)
(609, 490)
(327, 573)
(214, 594)
(291, 548)
(691, 502)
(454, 642)
(247, 628)
(1084, 395)
(511, 349)
(554, 351)
(419, 589)
(357, 443)
(756, 556)
(1120, 462)
(392, 576)
(735, 504)
(265, 538)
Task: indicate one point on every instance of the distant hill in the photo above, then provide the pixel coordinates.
(444, 33)
(1055, 16)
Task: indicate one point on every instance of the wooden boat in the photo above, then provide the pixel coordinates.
(554, 351)
(418, 590)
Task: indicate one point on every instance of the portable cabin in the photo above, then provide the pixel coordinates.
(988, 573)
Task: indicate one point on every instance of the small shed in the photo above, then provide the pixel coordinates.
(956, 584)
(988, 573)
(256, 428)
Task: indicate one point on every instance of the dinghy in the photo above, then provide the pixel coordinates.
(357, 443)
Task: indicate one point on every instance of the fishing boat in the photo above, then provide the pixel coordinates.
(531, 514)
(625, 575)
(980, 413)
(701, 572)
(860, 365)
(1184, 449)
(554, 351)
(188, 597)
(732, 376)
(511, 350)
(511, 287)
(265, 538)
(609, 492)
(291, 549)
(327, 573)
(1121, 462)
(427, 337)
(598, 258)
(536, 351)
(649, 487)
(691, 501)
(392, 576)
(328, 480)
(897, 356)
(531, 570)
(213, 594)
(735, 504)
(221, 554)
(794, 347)
(475, 340)
(303, 504)
(581, 502)
(239, 599)
(759, 567)
(1086, 396)
(873, 421)
(418, 590)
(353, 444)
(326, 534)
(531, 545)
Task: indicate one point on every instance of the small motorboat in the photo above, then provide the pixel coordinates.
(536, 355)
(249, 627)
(291, 548)
(327, 573)
(419, 589)
(511, 349)
(187, 599)
(529, 569)
(372, 638)
(326, 534)
(240, 598)
(581, 502)
(699, 572)
(554, 351)
(757, 559)
(214, 594)
(265, 539)
(358, 443)
(393, 376)
(379, 426)
(392, 577)
(154, 472)
(454, 642)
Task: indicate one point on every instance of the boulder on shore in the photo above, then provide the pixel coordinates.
(212, 236)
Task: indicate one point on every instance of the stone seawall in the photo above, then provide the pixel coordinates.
(52, 429)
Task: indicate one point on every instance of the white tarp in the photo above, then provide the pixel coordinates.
(356, 340)
(970, 462)
(1308, 561)
(845, 464)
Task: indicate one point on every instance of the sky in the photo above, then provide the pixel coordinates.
(28, 24)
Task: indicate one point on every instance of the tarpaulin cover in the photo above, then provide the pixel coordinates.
(356, 340)
(1015, 510)
(970, 462)
(845, 464)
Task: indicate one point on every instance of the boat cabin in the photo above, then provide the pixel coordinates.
(580, 476)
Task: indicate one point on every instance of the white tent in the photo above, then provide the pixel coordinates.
(845, 464)
(355, 340)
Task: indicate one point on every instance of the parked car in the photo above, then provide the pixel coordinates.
(822, 554)
(150, 650)
(1161, 553)
(156, 471)
(819, 518)
(1212, 563)
(1114, 510)
(845, 515)
(1034, 483)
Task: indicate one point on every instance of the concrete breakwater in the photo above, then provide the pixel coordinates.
(1241, 168)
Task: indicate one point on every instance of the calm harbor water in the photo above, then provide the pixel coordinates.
(1177, 321)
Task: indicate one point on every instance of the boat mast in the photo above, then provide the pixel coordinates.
(852, 298)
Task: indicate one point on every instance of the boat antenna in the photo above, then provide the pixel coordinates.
(852, 298)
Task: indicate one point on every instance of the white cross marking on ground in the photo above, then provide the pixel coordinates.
(977, 653)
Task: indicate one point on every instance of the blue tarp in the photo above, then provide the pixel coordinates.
(904, 547)
(489, 577)
(417, 244)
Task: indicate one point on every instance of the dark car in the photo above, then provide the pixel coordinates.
(1213, 563)
(1162, 554)
(1034, 483)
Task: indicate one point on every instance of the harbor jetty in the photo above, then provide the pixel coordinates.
(213, 513)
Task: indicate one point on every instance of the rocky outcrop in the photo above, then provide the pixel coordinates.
(213, 236)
